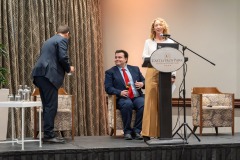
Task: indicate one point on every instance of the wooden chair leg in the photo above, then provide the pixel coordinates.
(194, 129)
(37, 132)
(111, 131)
(216, 129)
(115, 132)
(73, 133)
(200, 128)
(61, 132)
(233, 130)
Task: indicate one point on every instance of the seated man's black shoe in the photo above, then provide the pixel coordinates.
(138, 136)
(127, 136)
(53, 140)
(146, 138)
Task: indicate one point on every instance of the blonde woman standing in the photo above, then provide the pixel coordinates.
(150, 122)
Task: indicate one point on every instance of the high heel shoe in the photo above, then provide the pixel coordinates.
(146, 138)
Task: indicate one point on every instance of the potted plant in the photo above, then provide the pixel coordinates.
(3, 96)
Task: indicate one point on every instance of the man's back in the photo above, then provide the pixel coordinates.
(53, 60)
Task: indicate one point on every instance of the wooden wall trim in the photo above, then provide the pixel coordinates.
(188, 102)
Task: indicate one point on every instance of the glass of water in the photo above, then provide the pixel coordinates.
(17, 97)
(10, 97)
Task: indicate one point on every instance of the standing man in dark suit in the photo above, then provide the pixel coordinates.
(48, 75)
(126, 81)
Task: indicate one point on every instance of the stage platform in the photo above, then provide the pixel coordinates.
(211, 147)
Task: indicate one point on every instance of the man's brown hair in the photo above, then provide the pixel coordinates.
(63, 29)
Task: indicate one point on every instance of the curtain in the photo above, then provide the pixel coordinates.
(25, 25)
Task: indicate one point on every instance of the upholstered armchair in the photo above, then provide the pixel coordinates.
(211, 108)
(64, 120)
(115, 117)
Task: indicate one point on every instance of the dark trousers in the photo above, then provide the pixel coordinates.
(49, 97)
(126, 105)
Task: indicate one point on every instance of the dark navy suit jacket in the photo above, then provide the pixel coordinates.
(114, 82)
(53, 61)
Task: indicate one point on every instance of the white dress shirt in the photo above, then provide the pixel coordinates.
(134, 89)
(150, 46)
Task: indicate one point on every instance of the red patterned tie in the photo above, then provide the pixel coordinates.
(130, 92)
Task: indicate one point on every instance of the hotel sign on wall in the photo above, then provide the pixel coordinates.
(167, 59)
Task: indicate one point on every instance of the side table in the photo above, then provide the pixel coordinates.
(22, 105)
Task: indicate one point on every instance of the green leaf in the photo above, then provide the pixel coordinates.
(2, 50)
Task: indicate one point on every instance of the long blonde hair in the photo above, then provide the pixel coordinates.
(165, 28)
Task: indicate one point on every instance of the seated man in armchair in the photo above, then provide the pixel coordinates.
(125, 81)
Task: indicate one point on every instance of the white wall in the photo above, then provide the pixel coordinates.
(238, 51)
(208, 27)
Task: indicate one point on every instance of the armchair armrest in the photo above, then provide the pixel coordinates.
(111, 109)
(196, 110)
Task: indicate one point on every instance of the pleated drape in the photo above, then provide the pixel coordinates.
(26, 24)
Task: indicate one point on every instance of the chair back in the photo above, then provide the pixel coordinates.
(64, 100)
(205, 90)
(61, 91)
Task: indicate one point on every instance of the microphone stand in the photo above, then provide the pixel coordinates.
(184, 124)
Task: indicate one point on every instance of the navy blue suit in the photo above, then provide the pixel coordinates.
(114, 84)
(48, 75)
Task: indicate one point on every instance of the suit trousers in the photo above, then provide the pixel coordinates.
(126, 105)
(49, 97)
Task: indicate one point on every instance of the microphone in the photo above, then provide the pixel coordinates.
(165, 35)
